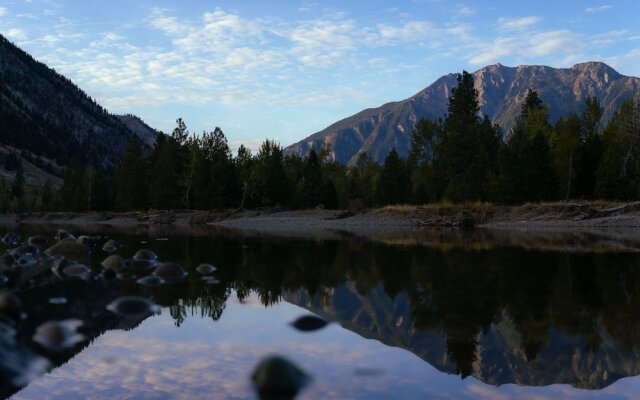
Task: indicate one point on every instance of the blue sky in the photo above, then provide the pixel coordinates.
(284, 71)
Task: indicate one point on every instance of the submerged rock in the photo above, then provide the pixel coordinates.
(10, 306)
(110, 246)
(205, 269)
(171, 272)
(150, 281)
(28, 250)
(11, 238)
(58, 265)
(58, 300)
(38, 241)
(77, 270)
(59, 335)
(309, 323)
(278, 378)
(85, 239)
(132, 307)
(68, 249)
(140, 265)
(113, 262)
(26, 261)
(8, 260)
(109, 274)
(145, 255)
(63, 235)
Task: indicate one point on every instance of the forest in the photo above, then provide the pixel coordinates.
(463, 158)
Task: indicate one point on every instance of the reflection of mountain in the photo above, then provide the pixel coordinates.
(498, 355)
(491, 305)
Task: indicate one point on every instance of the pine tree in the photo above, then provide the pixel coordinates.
(311, 180)
(130, 184)
(466, 162)
(269, 178)
(393, 181)
(566, 141)
(525, 162)
(590, 153)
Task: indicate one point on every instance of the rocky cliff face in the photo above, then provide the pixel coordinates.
(501, 92)
(45, 113)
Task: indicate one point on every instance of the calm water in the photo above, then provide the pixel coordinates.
(435, 315)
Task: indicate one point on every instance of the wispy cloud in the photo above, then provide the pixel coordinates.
(465, 11)
(3, 11)
(598, 9)
(509, 24)
(16, 34)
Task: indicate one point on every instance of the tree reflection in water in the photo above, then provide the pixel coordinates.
(502, 311)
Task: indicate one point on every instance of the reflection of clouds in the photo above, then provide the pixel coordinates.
(205, 359)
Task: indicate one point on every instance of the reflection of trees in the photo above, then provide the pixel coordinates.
(458, 292)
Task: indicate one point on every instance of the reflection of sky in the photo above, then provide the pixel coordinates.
(207, 359)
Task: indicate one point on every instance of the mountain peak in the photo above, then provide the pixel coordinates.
(501, 89)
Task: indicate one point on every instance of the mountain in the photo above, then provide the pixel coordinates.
(501, 91)
(146, 133)
(47, 114)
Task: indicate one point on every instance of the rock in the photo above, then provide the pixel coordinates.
(140, 265)
(27, 261)
(63, 234)
(11, 238)
(58, 335)
(38, 241)
(171, 272)
(145, 255)
(10, 306)
(113, 262)
(150, 281)
(309, 323)
(278, 378)
(68, 249)
(110, 246)
(77, 270)
(132, 307)
(206, 269)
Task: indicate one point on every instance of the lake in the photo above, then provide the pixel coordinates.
(429, 314)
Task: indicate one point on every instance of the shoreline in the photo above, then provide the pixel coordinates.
(539, 226)
(481, 215)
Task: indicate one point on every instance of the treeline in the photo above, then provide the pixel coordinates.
(461, 158)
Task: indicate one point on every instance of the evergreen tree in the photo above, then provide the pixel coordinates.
(311, 180)
(525, 162)
(566, 141)
(590, 153)
(329, 195)
(47, 198)
(617, 175)
(393, 182)
(244, 166)
(362, 180)
(269, 178)
(225, 186)
(74, 191)
(167, 183)
(466, 162)
(130, 184)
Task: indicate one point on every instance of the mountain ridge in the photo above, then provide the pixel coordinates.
(501, 90)
(46, 113)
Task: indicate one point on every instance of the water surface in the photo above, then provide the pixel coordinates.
(436, 314)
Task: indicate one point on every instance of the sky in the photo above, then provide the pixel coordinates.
(286, 69)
